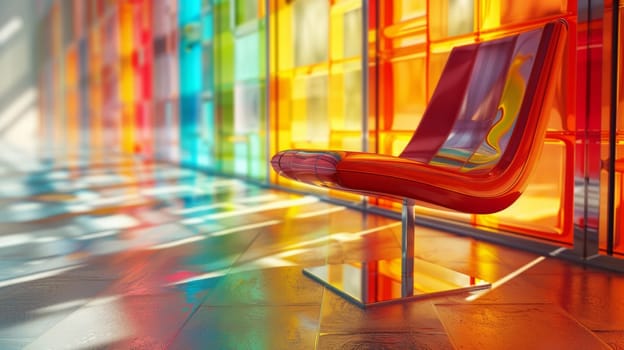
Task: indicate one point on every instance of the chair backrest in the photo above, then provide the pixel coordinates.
(489, 101)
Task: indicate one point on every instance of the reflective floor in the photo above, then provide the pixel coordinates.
(114, 253)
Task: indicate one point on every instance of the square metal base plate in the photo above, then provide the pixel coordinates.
(380, 282)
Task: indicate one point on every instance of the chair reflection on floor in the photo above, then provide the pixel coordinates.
(473, 151)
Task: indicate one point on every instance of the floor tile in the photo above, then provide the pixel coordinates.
(592, 296)
(389, 341)
(219, 266)
(13, 343)
(268, 286)
(615, 339)
(514, 326)
(518, 290)
(469, 256)
(250, 327)
(29, 309)
(120, 322)
(341, 316)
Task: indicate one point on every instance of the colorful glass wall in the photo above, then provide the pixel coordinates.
(616, 235)
(221, 85)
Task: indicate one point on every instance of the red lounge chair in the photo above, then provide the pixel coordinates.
(473, 151)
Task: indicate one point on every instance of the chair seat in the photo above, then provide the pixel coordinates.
(395, 177)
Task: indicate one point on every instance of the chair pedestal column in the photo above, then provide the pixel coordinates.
(407, 248)
(394, 280)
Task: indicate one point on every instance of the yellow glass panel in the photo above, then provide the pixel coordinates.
(345, 106)
(310, 124)
(285, 40)
(346, 30)
(450, 18)
(126, 47)
(393, 142)
(406, 9)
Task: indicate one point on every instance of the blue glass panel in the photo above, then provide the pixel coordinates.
(190, 55)
(207, 27)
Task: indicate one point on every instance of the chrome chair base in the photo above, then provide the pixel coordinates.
(394, 280)
(381, 282)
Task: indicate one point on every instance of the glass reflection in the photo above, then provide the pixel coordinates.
(310, 25)
(460, 17)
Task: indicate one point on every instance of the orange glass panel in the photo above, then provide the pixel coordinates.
(404, 22)
(405, 100)
(618, 243)
(545, 209)
(402, 72)
(540, 210)
(553, 221)
(72, 100)
(127, 76)
(495, 13)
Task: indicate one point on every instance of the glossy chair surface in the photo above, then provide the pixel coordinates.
(477, 142)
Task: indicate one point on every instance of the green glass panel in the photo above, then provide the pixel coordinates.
(247, 57)
(246, 11)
